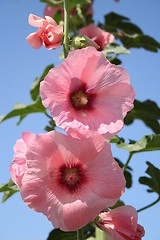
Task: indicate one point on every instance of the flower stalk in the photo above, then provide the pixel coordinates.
(66, 26)
(128, 160)
(148, 206)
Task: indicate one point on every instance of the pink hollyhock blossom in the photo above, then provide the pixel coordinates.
(121, 224)
(18, 165)
(98, 35)
(49, 34)
(51, 11)
(70, 180)
(87, 92)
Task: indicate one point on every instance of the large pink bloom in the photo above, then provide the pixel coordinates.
(98, 35)
(49, 34)
(87, 92)
(70, 180)
(18, 165)
(121, 224)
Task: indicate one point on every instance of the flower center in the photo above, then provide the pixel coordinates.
(71, 177)
(79, 99)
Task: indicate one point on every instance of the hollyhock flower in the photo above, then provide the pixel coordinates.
(49, 34)
(51, 11)
(87, 93)
(121, 224)
(18, 165)
(98, 35)
(70, 180)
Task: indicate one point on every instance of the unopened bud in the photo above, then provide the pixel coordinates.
(83, 41)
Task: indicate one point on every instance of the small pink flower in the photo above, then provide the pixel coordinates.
(88, 93)
(98, 35)
(121, 224)
(18, 165)
(70, 180)
(51, 11)
(49, 34)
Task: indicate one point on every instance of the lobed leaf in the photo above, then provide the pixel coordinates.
(34, 92)
(115, 48)
(140, 41)
(147, 111)
(147, 143)
(115, 22)
(22, 110)
(8, 190)
(153, 182)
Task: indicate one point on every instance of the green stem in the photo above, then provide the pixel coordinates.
(48, 115)
(66, 26)
(80, 235)
(148, 206)
(126, 165)
(100, 235)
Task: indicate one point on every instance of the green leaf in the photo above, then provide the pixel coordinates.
(153, 182)
(22, 110)
(147, 143)
(127, 174)
(51, 126)
(119, 203)
(148, 112)
(114, 60)
(36, 84)
(115, 22)
(8, 189)
(115, 49)
(139, 41)
(57, 234)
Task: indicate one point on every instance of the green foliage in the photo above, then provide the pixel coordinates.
(115, 23)
(115, 48)
(119, 203)
(147, 143)
(127, 173)
(153, 182)
(129, 34)
(51, 126)
(72, 3)
(139, 41)
(8, 190)
(148, 112)
(23, 110)
(34, 92)
(57, 234)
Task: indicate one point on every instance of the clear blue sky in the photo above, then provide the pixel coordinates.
(20, 64)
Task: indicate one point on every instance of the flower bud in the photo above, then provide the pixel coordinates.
(83, 41)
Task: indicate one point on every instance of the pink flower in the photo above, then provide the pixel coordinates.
(51, 11)
(98, 35)
(70, 180)
(121, 224)
(86, 92)
(18, 165)
(49, 34)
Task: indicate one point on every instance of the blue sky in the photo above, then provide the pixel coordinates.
(20, 64)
